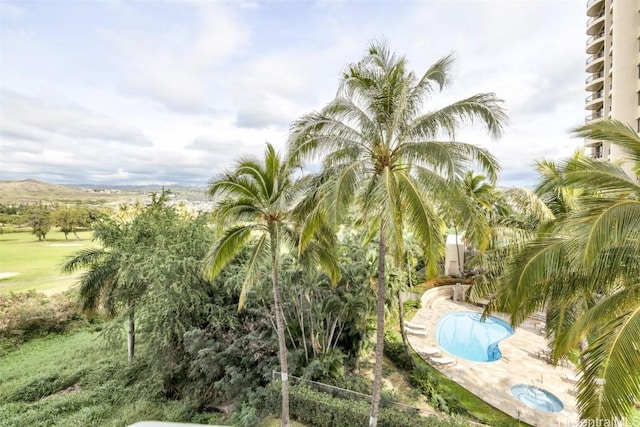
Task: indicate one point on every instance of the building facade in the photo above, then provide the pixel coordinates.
(613, 68)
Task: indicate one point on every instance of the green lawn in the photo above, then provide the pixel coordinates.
(37, 263)
(71, 380)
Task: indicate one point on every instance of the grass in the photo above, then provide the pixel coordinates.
(69, 381)
(72, 380)
(476, 406)
(38, 262)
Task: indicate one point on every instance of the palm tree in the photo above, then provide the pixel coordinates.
(380, 149)
(112, 279)
(257, 205)
(103, 284)
(583, 268)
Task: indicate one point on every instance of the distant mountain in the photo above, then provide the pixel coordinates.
(30, 191)
(33, 191)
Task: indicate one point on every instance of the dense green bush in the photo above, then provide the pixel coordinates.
(412, 304)
(422, 379)
(394, 350)
(322, 410)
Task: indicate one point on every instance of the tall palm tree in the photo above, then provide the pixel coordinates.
(257, 205)
(584, 268)
(382, 150)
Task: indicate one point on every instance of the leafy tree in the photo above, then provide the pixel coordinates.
(256, 205)
(583, 268)
(39, 219)
(114, 278)
(380, 149)
(70, 219)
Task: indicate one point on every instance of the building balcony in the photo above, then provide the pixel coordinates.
(595, 81)
(595, 100)
(598, 114)
(595, 62)
(594, 7)
(595, 43)
(594, 149)
(595, 24)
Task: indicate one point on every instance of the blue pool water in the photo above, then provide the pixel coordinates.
(537, 398)
(463, 334)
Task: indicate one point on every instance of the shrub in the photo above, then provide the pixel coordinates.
(30, 314)
(422, 379)
(322, 410)
(412, 304)
(394, 350)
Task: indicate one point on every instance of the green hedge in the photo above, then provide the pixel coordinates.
(322, 410)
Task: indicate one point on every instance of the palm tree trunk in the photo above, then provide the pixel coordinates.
(377, 371)
(282, 345)
(131, 337)
(405, 343)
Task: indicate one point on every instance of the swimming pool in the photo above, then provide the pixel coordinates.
(463, 334)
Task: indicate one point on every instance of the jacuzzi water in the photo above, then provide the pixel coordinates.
(463, 333)
(537, 398)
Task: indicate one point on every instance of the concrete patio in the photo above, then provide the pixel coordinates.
(492, 381)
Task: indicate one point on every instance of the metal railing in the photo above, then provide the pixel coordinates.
(595, 56)
(595, 18)
(595, 37)
(594, 96)
(594, 116)
(594, 76)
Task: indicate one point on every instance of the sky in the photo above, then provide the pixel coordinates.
(121, 92)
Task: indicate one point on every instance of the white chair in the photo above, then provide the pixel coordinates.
(572, 378)
(443, 361)
(428, 351)
(415, 325)
(415, 328)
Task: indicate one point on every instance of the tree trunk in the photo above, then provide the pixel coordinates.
(76, 234)
(377, 371)
(282, 345)
(405, 343)
(131, 337)
(356, 365)
(401, 313)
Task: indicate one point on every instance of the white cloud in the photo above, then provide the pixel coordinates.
(38, 120)
(174, 91)
(178, 67)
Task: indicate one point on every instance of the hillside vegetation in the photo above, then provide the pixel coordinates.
(31, 191)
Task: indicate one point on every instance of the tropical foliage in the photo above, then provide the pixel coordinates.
(381, 150)
(258, 202)
(582, 269)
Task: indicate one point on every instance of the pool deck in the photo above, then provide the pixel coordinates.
(520, 364)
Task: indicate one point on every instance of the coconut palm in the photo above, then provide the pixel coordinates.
(584, 268)
(257, 206)
(380, 149)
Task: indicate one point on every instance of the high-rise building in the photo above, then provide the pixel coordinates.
(613, 67)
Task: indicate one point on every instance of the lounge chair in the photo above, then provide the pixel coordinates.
(415, 328)
(428, 351)
(415, 325)
(572, 378)
(442, 361)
